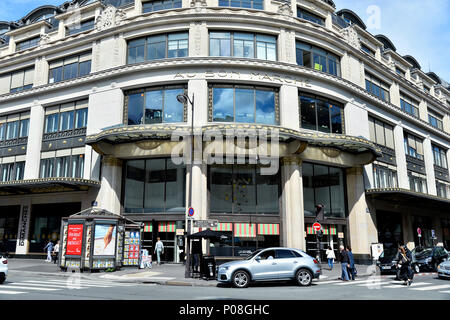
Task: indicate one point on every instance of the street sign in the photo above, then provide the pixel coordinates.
(206, 223)
(191, 212)
(433, 234)
(317, 226)
(419, 232)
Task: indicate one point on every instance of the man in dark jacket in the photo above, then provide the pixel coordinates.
(345, 263)
(351, 269)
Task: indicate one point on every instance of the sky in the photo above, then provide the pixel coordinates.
(420, 28)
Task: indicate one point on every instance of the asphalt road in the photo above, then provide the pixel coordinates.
(27, 287)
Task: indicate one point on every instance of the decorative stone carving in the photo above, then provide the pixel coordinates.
(110, 18)
(149, 145)
(45, 39)
(285, 9)
(331, 152)
(351, 37)
(199, 5)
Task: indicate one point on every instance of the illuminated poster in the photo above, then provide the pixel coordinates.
(74, 239)
(105, 240)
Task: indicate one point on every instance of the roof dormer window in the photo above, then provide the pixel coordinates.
(400, 71)
(27, 44)
(309, 16)
(366, 49)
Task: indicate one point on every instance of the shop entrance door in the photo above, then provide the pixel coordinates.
(424, 223)
(167, 233)
(9, 225)
(147, 237)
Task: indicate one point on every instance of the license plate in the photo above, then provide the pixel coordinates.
(385, 268)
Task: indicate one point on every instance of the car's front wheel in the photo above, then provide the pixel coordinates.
(2, 279)
(303, 277)
(241, 279)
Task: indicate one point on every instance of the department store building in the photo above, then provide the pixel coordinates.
(89, 108)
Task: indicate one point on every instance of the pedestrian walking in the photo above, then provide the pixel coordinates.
(330, 256)
(159, 249)
(404, 263)
(56, 252)
(345, 263)
(351, 269)
(49, 248)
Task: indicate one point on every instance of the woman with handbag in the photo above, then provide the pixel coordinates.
(404, 263)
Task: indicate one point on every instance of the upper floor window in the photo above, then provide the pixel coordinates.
(172, 45)
(377, 87)
(384, 176)
(409, 105)
(81, 27)
(317, 59)
(243, 45)
(14, 126)
(442, 189)
(66, 117)
(69, 68)
(366, 49)
(426, 89)
(27, 44)
(381, 133)
(413, 146)
(400, 71)
(155, 105)
(71, 165)
(12, 171)
(417, 182)
(440, 157)
(435, 120)
(320, 114)
(251, 4)
(150, 6)
(244, 104)
(17, 81)
(306, 15)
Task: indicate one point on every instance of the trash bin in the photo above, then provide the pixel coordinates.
(209, 268)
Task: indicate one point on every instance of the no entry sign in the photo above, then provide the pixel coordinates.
(419, 232)
(317, 226)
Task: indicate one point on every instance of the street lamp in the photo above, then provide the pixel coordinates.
(184, 99)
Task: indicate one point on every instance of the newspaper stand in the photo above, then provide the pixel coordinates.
(95, 239)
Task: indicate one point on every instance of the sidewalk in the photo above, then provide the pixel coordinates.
(165, 274)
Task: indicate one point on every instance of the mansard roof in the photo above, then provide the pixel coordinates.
(386, 42)
(413, 61)
(353, 17)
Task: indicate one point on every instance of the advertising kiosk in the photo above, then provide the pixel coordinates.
(96, 239)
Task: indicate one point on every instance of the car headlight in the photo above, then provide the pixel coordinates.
(439, 266)
(223, 268)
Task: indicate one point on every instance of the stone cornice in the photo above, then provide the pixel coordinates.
(229, 62)
(406, 191)
(27, 28)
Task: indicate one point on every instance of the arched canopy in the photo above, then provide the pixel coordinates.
(386, 42)
(40, 13)
(349, 15)
(413, 61)
(4, 27)
(330, 2)
(435, 77)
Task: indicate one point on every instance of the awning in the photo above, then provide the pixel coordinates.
(46, 185)
(167, 226)
(327, 229)
(268, 229)
(228, 226)
(245, 230)
(148, 227)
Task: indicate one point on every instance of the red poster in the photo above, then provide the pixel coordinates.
(74, 240)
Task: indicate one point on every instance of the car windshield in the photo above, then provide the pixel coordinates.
(389, 252)
(424, 252)
(253, 254)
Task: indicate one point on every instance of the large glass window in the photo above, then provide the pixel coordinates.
(377, 87)
(161, 46)
(440, 157)
(413, 146)
(409, 105)
(317, 59)
(66, 117)
(417, 182)
(242, 189)
(69, 68)
(14, 126)
(155, 105)
(381, 133)
(323, 185)
(150, 6)
(244, 104)
(435, 120)
(62, 167)
(384, 177)
(27, 44)
(243, 45)
(251, 4)
(443, 189)
(81, 27)
(154, 185)
(12, 171)
(307, 15)
(18, 81)
(321, 115)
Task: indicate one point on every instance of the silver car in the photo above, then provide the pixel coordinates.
(444, 269)
(268, 265)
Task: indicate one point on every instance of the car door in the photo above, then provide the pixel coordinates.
(287, 263)
(264, 266)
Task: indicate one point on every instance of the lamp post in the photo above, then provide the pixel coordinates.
(184, 98)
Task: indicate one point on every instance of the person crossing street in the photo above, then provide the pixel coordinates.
(345, 263)
(159, 249)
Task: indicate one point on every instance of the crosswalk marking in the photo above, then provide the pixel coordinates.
(90, 282)
(346, 283)
(330, 281)
(39, 285)
(445, 291)
(68, 283)
(401, 285)
(445, 286)
(28, 288)
(11, 292)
